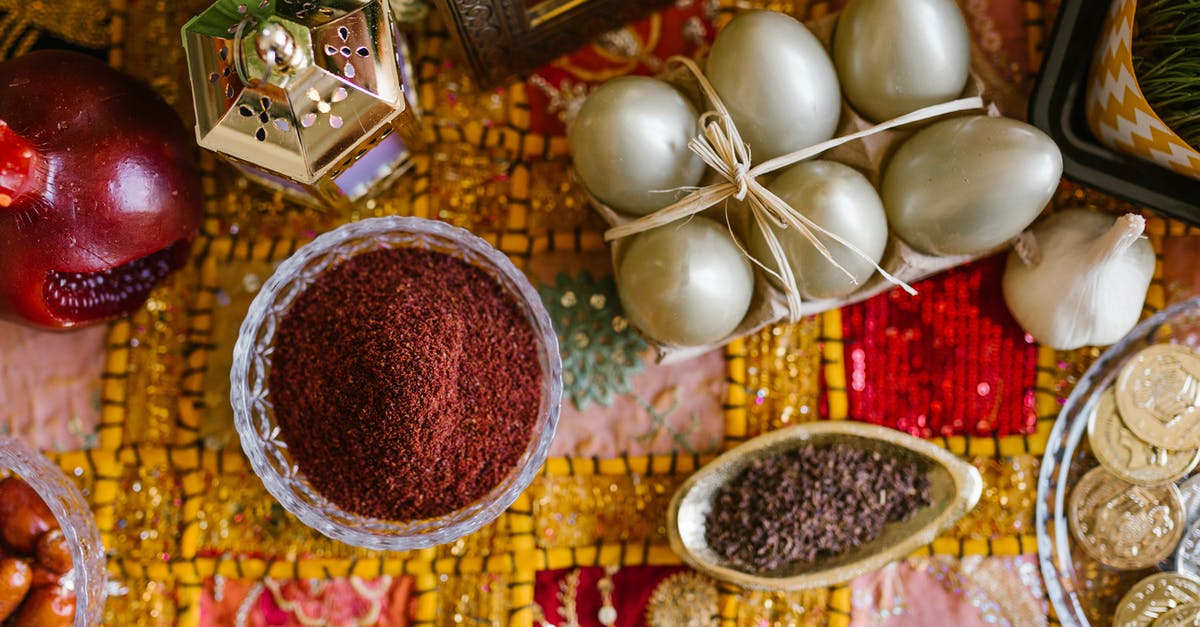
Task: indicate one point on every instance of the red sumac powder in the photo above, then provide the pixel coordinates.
(406, 383)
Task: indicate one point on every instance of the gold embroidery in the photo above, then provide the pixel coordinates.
(608, 613)
(784, 609)
(1007, 581)
(473, 600)
(624, 48)
(143, 603)
(1007, 503)
(486, 170)
(80, 23)
(684, 599)
(568, 592)
(582, 510)
(783, 375)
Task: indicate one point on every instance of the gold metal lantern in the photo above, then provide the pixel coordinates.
(312, 98)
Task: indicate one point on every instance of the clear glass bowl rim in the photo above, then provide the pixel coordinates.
(74, 517)
(1056, 458)
(432, 532)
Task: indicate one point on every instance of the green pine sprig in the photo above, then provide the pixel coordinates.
(1166, 60)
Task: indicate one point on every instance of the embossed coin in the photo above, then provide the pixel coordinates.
(1123, 525)
(1151, 598)
(1128, 456)
(1158, 395)
(1190, 490)
(1187, 556)
(1182, 616)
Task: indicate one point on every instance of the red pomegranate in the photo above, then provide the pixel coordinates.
(99, 193)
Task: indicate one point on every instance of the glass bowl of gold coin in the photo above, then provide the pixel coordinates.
(1118, 508)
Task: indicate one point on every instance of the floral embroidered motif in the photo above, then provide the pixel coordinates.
(599, 349)
(565, 100)
(685, 599)
(660, 411)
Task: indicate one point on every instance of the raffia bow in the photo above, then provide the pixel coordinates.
(721, 147)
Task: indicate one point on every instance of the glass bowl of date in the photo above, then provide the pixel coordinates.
(1118, 506)
(52, 567)
(817, 504)
(396, 383)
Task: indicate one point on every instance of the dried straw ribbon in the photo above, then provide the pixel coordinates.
(721, 147)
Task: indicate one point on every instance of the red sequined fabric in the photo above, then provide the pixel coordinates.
(949, 362)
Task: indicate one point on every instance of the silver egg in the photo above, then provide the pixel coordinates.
(967, 185)
(629, 144)
(777, 81)
(840, 200)
(686, 283)
(896, 56)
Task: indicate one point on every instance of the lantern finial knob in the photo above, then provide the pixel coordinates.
(276, 46)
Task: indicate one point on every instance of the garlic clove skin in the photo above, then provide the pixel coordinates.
(1080, 279)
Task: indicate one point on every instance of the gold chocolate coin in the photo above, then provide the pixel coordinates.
(1151, 598)
(1123, 525)
(1182, 616)
(1128, 456)
(1158, 396)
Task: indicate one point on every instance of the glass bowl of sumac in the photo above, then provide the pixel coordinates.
(52, 568)
(396, 383)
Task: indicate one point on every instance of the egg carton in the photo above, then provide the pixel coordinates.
(867, 155)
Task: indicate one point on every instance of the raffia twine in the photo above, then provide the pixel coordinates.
(720, 146)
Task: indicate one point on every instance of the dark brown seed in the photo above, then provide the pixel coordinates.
(811, 502)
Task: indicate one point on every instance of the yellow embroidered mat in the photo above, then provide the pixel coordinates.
(194, 539)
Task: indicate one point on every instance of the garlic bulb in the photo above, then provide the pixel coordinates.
(1079, 278)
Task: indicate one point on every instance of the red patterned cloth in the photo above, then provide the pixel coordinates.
(340, 602)
(638, 49)
(632, 589)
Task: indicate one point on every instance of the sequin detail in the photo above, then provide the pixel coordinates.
(952, 362)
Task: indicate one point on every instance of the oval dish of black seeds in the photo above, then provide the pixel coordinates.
(810, 502)
(818, 527)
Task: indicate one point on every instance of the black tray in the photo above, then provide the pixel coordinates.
(1057, 107)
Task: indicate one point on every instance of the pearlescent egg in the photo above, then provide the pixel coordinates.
(629, 144)
(685, 283)
(897, 56)
(840, 200)
(777, 82)
(968, 185)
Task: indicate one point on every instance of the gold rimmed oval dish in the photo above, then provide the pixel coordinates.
(954, 488)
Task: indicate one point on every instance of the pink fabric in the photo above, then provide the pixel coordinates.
(1181, 266)
(973, 591)
(342, 602)
(50, 384)
(686, 397)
